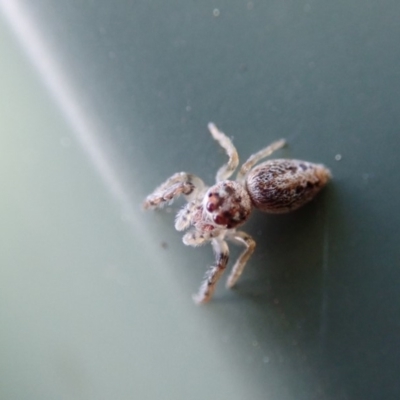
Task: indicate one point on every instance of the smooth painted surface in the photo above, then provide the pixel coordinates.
(102, 101)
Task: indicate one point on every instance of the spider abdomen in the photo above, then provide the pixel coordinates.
(281, 185)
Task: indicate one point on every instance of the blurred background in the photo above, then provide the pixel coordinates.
(100, 102)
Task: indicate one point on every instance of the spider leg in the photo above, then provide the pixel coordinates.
(183, 220)
(246, 240)
(177, 184)
(197, 238)
(229, 168)
(256, 157)
(212, 276)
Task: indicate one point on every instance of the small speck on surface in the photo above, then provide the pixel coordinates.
(265, 360)
(216, 12)
(338, 157)
(164, 245)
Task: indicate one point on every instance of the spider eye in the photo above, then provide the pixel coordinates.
(214, 202)
(220, 220)
(211, 206)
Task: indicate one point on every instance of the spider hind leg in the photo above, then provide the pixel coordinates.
(256, 157)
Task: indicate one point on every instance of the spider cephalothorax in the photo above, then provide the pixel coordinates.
(214, 213)
(228, 204)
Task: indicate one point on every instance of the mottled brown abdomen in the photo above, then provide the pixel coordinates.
(279, 186)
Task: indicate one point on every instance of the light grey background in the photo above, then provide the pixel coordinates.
(100, 102)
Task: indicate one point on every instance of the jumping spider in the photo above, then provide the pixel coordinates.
(275, 186)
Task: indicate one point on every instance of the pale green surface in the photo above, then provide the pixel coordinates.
(92, 306)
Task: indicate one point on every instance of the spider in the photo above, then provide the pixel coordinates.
(215, 213)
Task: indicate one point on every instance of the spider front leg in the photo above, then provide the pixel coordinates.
(177, 184)
(256, 157)
(213, 275)
(229, 168)
(183, 218)
(246, 240)
(196, 238)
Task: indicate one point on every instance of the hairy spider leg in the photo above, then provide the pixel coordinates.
(182, 219)
(196, 238)
(212, 276)
(256, 157)
(229, 168)
(177, 184)
(242, 238)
